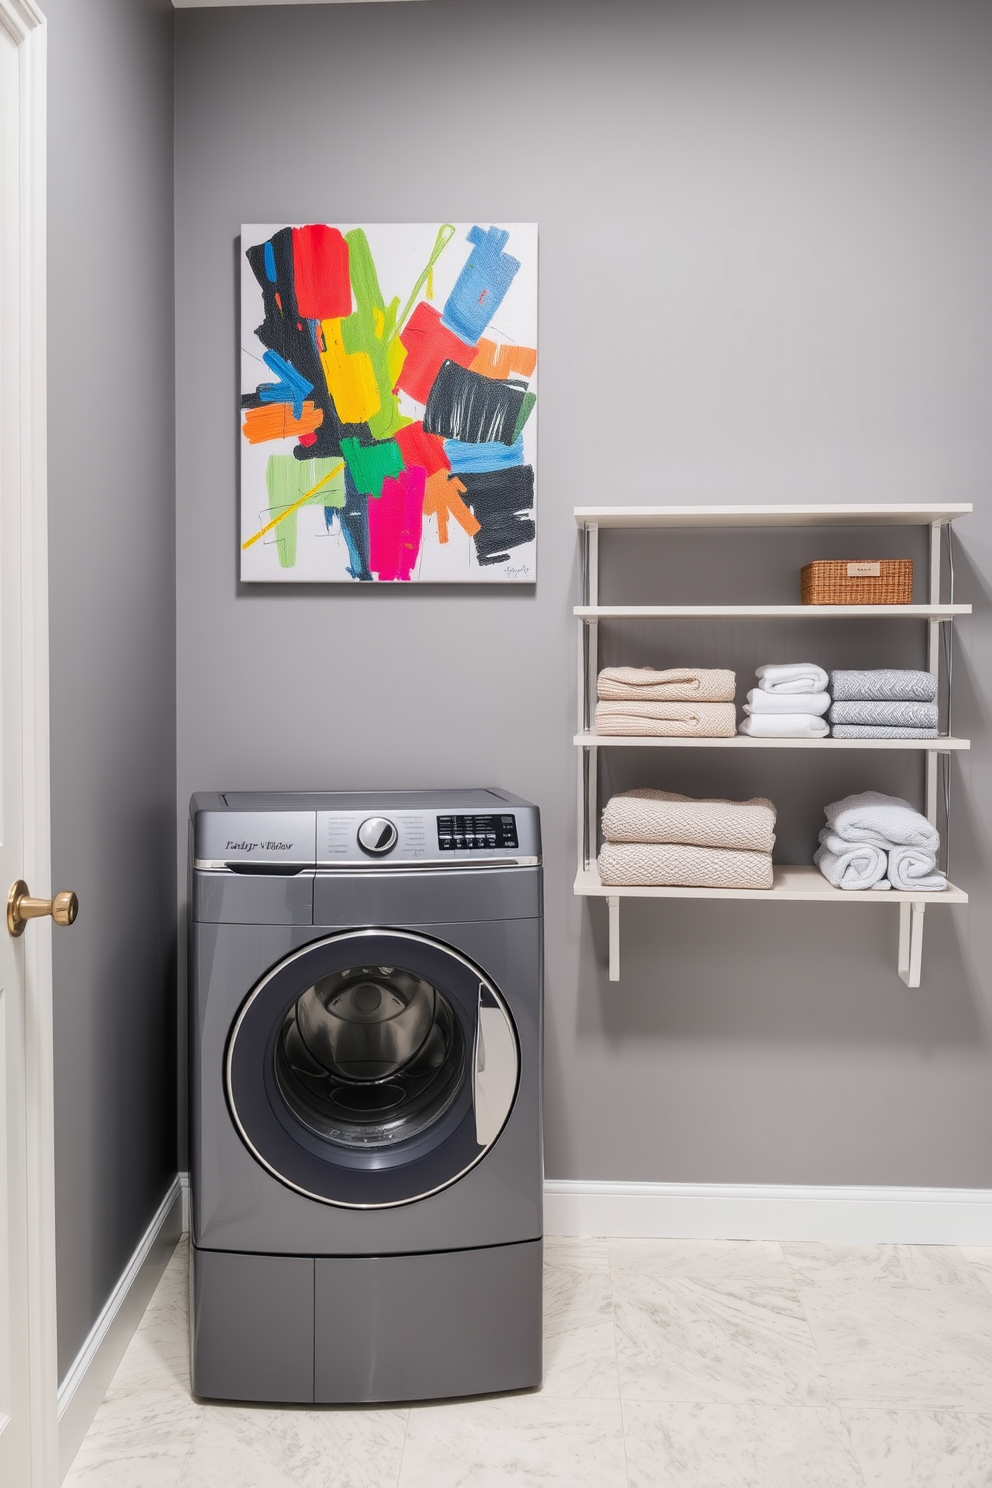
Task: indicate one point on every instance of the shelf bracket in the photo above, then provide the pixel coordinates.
(613, 905)
(911, 942)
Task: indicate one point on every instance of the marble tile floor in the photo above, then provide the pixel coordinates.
(668, 1364)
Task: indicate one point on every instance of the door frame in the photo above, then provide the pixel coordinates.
(28, 429)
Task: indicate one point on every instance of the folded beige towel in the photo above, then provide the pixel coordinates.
(662, 816)
(682, 720)
(649, 863)
(675, 685)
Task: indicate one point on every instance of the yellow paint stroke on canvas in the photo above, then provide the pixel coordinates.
(350, 377)
(296, 504)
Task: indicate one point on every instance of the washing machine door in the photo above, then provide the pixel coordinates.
(372, 1068)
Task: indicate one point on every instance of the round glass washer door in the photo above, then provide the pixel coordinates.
(372, 1068)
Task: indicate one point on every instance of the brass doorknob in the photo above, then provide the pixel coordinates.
(21, 907)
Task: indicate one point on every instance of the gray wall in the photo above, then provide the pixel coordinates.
(765, 239)
(112, 543)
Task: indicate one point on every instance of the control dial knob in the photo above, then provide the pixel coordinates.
(377, 835)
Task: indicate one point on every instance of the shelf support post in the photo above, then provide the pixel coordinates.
(911, 942)
(613, 905)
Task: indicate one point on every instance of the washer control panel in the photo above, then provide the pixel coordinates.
(467, 833)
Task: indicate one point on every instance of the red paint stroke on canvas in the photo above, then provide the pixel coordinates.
(418, 448)
(396, 526)
(428, 344)
(320, 272)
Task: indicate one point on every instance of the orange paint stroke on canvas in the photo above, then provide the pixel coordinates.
(504, 361)
(277, 421)
(443, 498)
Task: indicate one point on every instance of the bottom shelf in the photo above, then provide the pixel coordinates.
(802, 881)
(799, 883)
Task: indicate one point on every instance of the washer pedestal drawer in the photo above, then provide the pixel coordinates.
(359, 1329)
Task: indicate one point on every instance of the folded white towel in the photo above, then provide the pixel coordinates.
(784, 726)
(885, 821)
(859, 866)
(759, 701)
(799, 676)
(914, 868)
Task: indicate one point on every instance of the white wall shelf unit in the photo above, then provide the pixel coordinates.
(802, 883)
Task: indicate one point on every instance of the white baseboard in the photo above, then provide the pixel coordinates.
(86, 1381)
(746, 1211)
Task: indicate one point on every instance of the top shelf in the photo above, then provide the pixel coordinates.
(871, 514)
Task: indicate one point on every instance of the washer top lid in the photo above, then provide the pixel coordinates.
(468, 799)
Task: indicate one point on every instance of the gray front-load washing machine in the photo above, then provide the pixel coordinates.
(365, 1052)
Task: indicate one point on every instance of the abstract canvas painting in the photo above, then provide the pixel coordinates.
(388, 403)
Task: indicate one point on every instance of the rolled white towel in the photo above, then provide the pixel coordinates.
(799, 676)
(784, 726)
(859, 866)
(914, 868)
(886, 821)
(786, 702)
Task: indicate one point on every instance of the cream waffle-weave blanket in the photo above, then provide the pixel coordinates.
(673, 863)
(676, 685)
(682, 720)
(663, 816)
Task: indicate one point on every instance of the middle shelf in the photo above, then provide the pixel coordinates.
(772, 612)
(944, 744)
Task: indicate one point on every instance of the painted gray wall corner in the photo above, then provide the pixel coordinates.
(112, 606)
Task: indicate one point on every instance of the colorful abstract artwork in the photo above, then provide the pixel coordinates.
(388, 403)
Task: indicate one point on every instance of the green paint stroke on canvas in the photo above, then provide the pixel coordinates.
(286, 480)
(370, 464)
(526, 409)
(371, 328)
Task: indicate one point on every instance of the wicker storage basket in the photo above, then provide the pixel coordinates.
(858, 581)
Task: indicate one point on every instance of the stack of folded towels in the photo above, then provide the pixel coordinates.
(788, 703)
(658, 837)
(682, 702)
(884, 704)
(873, 841)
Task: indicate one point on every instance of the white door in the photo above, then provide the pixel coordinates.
(28, 1368)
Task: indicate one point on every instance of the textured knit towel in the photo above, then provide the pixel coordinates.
(662, 816)
(676, 685)
(885, 715)
(884, 686)
(886, 821)
(913, 868)
(799, 676)
(759, 701)
(689, 867)
(858, 865)
(678, 720)
(785, 726)
(863, 731)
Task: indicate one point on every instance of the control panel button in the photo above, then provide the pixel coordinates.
(377, 835)
(458, 833)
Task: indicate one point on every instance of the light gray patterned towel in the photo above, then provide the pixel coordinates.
(673, 685)
(662, 816)
(886, 715)
(862, 731)
(648, 863)
(886, 685)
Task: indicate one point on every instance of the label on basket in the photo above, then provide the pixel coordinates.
(864, 570)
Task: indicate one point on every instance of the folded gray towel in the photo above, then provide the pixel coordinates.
(886, 715)
(863, 731)
(885, 685)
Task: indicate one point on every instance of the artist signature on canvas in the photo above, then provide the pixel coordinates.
(516, 573)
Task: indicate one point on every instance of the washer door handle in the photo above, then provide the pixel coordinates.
(495, 1068)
